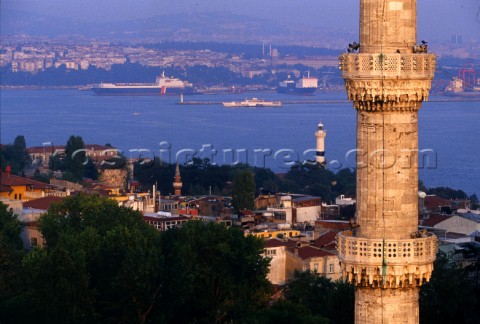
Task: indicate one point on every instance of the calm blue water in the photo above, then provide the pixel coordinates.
(264, 136)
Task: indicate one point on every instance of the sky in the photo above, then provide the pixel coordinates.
(437, 19)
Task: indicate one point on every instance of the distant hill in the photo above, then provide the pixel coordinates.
(212, 26)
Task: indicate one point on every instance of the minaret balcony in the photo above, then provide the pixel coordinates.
(394, 65)
(387, 263)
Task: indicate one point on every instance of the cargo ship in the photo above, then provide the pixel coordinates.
(456, 88)
(163, 86)
(252, 103)
(466, 84)
(304, 86)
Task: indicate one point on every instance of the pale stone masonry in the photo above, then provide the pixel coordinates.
(387, 79)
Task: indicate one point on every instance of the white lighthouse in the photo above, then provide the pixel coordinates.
(320, 153)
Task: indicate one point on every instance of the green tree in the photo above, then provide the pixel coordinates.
(474, 201)
(11, 253)
(285, 312)
(42, 177)
(20, 154)
(450, 296)
(215, 274)
(16, 156)
(76, 157)
(330, 299)
(243, 192)
(101, 263)
(310, 179)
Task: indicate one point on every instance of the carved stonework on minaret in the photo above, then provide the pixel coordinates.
(388, 79)
(177, 183)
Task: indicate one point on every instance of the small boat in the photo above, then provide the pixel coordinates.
(252, 103)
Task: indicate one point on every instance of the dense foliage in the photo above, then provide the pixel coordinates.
(76, 158)
(103, 263)
(11, 253)
(322, 297)
(15, 155)
(243, 193)
(200, 177)
(451, 296)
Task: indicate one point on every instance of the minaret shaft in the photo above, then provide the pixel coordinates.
(387, 26)
(387, 177)
(384, 255)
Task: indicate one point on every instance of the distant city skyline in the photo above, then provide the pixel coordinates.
(438, 19)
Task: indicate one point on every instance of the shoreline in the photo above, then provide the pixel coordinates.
(432, 97)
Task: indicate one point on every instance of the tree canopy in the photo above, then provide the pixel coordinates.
(103, 263)
(11, 253)
(15, 155)
(76, 157)
(243, 195)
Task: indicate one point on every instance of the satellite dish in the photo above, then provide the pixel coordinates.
(421, 194)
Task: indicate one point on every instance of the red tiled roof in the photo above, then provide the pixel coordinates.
(42, 203)
(98, 147)
(247, 212)
(327, 239)
(433, 202)
(274, 242)
(190, 211)
(307, 252)
(333, 224)
(44, 149)
(49, 149)
(13, 180)
(433, 220)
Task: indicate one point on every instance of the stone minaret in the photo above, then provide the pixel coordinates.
(177, 183)
(387, 78)
(320, 152)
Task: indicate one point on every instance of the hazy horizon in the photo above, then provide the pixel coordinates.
(437, 19)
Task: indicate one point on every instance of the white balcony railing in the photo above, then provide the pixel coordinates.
(411, 66)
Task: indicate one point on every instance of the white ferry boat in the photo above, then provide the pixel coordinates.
(252, 103)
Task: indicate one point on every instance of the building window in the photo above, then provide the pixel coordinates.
(33, 241)
(330, 268)
(315, 267)
(271, 252)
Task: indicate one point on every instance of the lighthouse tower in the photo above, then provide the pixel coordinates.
(387, 77)
(320, 152)
(177, 183)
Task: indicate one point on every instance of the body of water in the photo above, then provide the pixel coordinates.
(273, 137)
